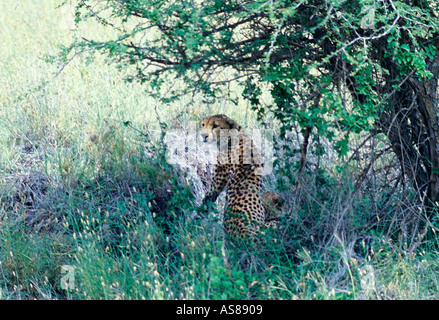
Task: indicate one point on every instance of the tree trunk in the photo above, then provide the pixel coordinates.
(412, 127)
(427, 99)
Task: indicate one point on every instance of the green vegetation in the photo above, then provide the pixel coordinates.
(84, 182)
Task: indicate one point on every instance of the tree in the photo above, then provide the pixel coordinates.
(335, 68)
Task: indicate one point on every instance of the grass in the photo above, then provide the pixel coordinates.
(80, 188)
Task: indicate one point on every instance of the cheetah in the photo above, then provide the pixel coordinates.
(237, 171)
(272, 203)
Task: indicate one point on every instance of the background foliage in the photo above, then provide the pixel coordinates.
(333, 68)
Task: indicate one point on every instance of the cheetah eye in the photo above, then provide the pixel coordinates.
(214, 126)
(202, 124)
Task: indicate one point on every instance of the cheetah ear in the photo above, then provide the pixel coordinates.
(280, 201)
(233, 125)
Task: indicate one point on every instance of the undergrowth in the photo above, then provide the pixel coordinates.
(131, 230)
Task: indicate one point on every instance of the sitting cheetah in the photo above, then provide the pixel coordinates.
(236, 171)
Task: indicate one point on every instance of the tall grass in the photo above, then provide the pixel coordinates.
(81, 188)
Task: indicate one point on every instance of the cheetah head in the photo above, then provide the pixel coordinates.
(211, 127)
(273, 203)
